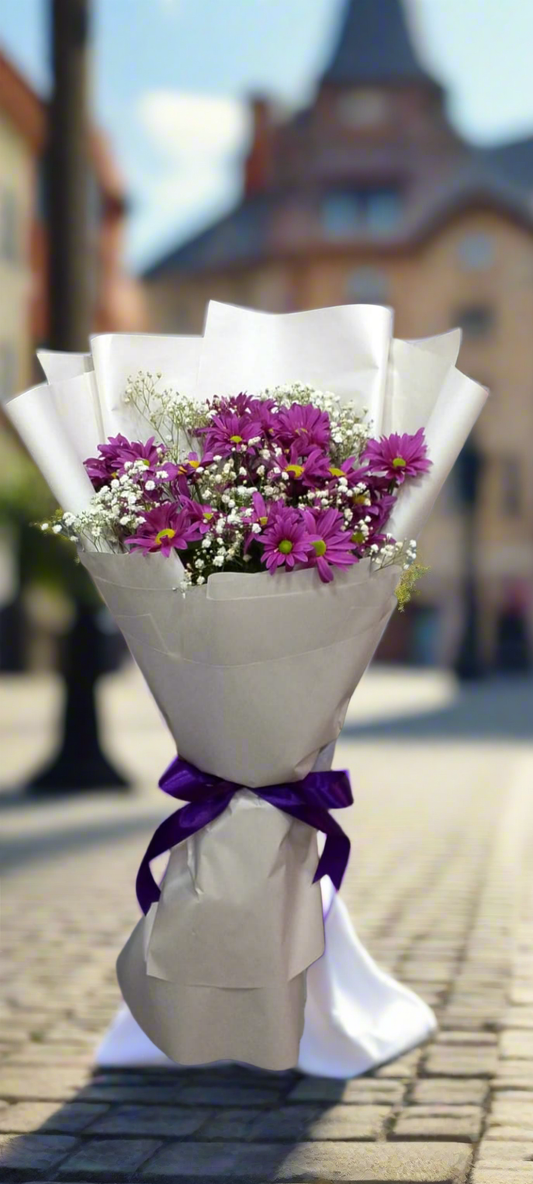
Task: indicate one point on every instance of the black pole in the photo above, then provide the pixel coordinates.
(80, 763)
(468, 664)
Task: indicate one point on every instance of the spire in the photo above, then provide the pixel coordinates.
(374, 46)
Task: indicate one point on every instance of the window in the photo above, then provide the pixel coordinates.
(511, 486)
(367, 285)
(363, 108)
(476, 320)
(476, 251)
(9, 245)
(371, 211)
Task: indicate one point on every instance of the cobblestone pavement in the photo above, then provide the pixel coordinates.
(441, 891)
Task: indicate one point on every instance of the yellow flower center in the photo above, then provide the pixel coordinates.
(207, 516)
(167, 533)
(194, 464)
(336, 472)
(399, 462)
(358, 537)
(145, 462)
(285, 547)
(263, 521)
(297, 470)
(235, 439)
(360, 499)
(320, 547)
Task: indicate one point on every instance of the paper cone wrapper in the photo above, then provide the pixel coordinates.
(252, 673)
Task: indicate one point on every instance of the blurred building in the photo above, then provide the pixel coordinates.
(118, 300)
(118, 303)
(371, 195)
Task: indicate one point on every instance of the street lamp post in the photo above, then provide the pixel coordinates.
(80, 762)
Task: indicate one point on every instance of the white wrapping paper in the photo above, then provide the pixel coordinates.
(252, 673)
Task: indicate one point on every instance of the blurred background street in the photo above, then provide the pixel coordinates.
(155, 154)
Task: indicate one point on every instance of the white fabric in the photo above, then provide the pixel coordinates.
(356, 1015)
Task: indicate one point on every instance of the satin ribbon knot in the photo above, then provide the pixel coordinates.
(207, 796)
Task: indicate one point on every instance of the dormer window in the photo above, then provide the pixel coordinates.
(357, 212)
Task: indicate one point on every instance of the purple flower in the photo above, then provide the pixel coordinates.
(332, 545)
(348, 470)
(301, 428)
(117, 452)
(164, 529)
(229, 433)
(398, 456)
(200, 513)
(380, 510)
(285, 541)
(313, 470)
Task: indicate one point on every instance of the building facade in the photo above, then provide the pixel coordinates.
(370, 195)
(118, 300)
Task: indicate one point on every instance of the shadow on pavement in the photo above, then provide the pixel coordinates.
(187, 1123)
(493, 710)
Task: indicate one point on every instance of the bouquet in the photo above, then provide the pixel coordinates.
(247, 504)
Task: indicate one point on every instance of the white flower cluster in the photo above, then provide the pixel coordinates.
(403, 553)
(113, 512)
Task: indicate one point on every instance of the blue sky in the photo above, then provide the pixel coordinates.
(170, 78)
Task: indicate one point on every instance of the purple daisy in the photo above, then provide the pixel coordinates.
(348, 469)
(165, 529)
(301, 428)
(117, 452)
(332, 545)
(311, 471)
(285, 541)
(229, 433)
(398, 456)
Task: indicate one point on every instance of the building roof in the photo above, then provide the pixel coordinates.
(374, 46)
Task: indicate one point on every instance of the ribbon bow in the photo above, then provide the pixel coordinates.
(207, 796)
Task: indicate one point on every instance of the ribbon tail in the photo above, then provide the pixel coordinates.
(173, 830)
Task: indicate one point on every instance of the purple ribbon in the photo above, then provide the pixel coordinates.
(207, 796)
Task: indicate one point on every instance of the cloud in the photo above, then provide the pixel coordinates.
(184, 124)
(194, 143)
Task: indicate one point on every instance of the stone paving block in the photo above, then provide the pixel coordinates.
(405, 1066)
(458, 1123)
(108, 1159)
(155, 1121)
(513, 1133)
(476, 1039)
(450, 1092)
(512, 1107)
(302, 1123)
(35, 1153)
(456, 1062)
(221, 1095)
(359, 1091)
(516, 1074)
(505, 1153)
(48, 1117)
(324, 1163)
(516, 1044)
(496, 1176)
(148, 1096)
(234, 1125)
(518, 1017)
(40, 1084)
